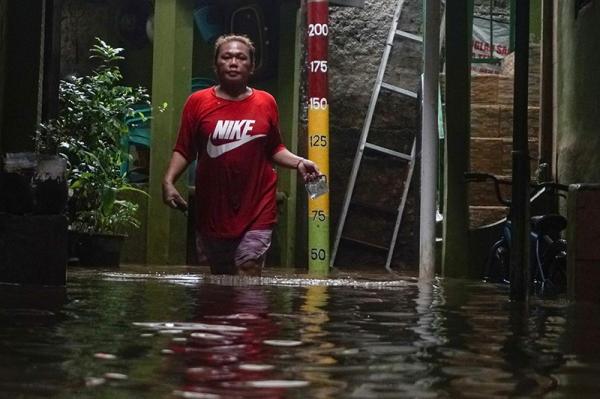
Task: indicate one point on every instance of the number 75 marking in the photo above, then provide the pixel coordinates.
(318, 215)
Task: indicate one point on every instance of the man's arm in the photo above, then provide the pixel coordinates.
(176, 167)
(307, 168)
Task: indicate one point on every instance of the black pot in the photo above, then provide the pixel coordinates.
(98, 250)
(17, 175)
(50, 191)
(33, 183)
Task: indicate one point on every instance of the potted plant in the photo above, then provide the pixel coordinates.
(88, 132)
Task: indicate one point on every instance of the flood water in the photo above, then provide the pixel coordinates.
(178, 333)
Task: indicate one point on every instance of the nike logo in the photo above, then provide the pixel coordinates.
(214, 151)
(238, 130)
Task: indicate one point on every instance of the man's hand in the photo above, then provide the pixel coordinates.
(172, 198)
(308, 170)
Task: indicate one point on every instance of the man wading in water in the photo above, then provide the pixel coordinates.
(233, 130)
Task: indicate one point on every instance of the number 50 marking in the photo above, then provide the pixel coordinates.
(316, 253)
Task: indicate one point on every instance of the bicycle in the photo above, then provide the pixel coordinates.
(548, 251)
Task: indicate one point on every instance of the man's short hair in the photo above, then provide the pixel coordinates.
(234, 38)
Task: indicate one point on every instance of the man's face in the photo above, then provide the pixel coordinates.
(234, 65)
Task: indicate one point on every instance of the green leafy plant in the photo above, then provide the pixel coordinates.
(88, 132)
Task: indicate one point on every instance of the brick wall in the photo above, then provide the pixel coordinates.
(491, 133)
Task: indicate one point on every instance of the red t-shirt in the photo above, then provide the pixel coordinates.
(234, 142)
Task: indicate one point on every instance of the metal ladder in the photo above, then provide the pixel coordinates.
(363, 143)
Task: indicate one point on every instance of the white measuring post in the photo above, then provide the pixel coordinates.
(429, 139)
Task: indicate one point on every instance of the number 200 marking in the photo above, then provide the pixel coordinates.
(318, 30)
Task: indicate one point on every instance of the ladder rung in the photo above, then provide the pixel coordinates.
(372, 207)
(410, 36)
(388, 151)
(399, 90)
(365, 243)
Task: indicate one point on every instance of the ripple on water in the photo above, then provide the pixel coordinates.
(190, 326)
(255, 367)
(195, 395)
(104, 356)
(267, 384)
(115, 376)
(236, 316)
(209, 374)
(282, 342)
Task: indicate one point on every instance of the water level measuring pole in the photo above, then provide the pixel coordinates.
(318, 131)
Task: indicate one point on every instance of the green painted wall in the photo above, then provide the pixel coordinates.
(578, 98)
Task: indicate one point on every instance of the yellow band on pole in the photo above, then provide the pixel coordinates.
(318, 208)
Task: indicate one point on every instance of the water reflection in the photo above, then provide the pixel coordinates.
(319, 351)
(227, 349)
(161, 335)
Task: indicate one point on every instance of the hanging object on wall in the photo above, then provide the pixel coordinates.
(150, 28)
(257, 22)
(131, 22)
(209, 21)
(580, 5)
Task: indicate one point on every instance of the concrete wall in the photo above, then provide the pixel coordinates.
(577, 93)
(82, 22)
(357, 40)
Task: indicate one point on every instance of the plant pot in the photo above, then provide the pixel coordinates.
(98, 250)
(50, 190)
(17, 174)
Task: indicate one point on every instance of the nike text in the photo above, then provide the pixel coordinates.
(229, 130)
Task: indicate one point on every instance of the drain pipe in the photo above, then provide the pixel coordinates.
(519, 252)
(429, 138)
(318, 131)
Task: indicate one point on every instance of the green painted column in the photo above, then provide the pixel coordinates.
(287, 99)
(535, 21)
(172, 65)
(455, 252)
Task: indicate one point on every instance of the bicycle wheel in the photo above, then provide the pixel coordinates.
(497, 267)
(555, 265)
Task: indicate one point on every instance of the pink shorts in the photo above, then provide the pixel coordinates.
(225, 255)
